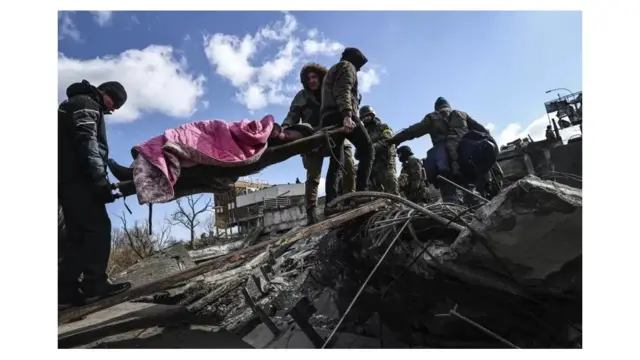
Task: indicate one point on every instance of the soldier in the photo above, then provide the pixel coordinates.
(340, 102)
(383, 172)
(412, 180)
(305, 108)
(84, 190)
(446, 128)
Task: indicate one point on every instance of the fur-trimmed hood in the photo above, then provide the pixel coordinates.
(320, 70)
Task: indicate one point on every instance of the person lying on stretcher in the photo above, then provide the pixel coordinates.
(278, 136)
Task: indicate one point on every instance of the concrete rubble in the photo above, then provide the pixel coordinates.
(507, 274)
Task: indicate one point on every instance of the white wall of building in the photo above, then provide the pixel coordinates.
(270, 193)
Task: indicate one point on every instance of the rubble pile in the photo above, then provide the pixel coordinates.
(507, 274)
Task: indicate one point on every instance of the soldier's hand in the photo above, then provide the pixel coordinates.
(348, 124)
(102, 190)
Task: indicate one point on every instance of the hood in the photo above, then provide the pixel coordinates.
(355, 57)
(84, 88)
(320, 70)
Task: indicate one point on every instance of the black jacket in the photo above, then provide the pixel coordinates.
(82, 137)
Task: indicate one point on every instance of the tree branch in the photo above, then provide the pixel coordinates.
(128, 234)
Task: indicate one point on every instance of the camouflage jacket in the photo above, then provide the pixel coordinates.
(440, 125)
(304, 108)
(340, 90)
(412, 175)
(379, 132)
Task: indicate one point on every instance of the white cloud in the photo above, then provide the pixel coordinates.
(154, 79)
(491, 127)
(260, 84)
(205, 104)
(103, 18)
(230, 57)
(536, 129)
(66, 27)
(323, 47)
(187, 37)
(367, 79)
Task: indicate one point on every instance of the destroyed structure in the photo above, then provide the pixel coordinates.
(387, 274)
(555, 158)
(274, 208)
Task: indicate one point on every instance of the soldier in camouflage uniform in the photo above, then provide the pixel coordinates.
(412, 180)
(340, 102)
(347, 177)
(305, 108)
(383, 172)
(447, 126)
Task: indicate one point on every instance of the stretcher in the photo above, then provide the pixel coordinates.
(201, 177)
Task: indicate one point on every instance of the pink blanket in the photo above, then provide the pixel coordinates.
(210, 142)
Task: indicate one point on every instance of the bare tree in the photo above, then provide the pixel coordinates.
(139, 239)
(187, 215)
(209, 226)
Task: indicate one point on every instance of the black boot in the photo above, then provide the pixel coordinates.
(100, 289)
(69, 295)
(120, 172)
(312, 217)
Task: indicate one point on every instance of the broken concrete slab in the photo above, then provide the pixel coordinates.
(166, 262)
(121, 318)
(534, 226)
(183, 336)
(143, 325)
(216, 250)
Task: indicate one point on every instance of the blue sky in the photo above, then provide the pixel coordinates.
(178, 67)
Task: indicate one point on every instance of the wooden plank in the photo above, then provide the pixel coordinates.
(201, 269)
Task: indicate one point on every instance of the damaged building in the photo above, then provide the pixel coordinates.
(273, 208)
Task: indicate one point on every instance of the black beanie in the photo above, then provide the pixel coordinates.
(440, 102)
(116, 92)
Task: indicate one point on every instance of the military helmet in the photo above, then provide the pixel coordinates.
(404, 149)
(365, 110)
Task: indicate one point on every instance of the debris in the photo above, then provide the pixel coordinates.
(301, 313)
(258, 311)
(216, 250)
(534, 225)
(168, 261)
(385, 279)
(169, 281)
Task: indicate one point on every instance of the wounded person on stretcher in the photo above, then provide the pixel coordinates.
(277, 137)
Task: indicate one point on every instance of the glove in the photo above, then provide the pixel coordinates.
(102, 191)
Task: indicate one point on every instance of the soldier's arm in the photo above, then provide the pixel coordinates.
(383, 143)
(295, 110)
(345, 79)
(85, 118)
(414, 131)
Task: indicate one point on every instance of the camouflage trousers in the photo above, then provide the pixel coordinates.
(312, 162)
(383, 178)
(419, 194)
